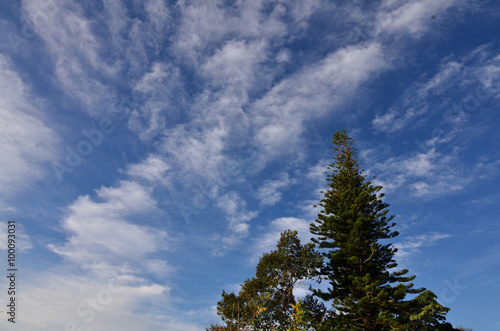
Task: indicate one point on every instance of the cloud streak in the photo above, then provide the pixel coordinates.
(28, 142)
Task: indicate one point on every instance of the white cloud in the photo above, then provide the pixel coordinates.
(100, 233)
(6, 208)
(317, 89)
(436, 167)
(201, 22)
(426, 189)
(153, 81)
(486, 168)
(28, 144)
(412, 17)
(317, 173)
(196, 153)
(234, 67)
(153, 169)
(59, 300)
(413, 105)
(421, 164)
(89, 63)
(391, 122)
(475, 75)
(441, 81)
(158, 267)
(430, 174)
(159, 95)
(411, 245)
(23, 241)
(303, 10)
(238, 217)
(385, 122)
(283, 55)
(108, 248)
(269, 193)
(76, 50)
(158, 13)
(205, 24)
(426, 174)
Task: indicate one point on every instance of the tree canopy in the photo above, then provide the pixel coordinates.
(267, 301)
(351, 251)
(366, 290)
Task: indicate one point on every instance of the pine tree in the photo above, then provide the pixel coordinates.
(365, 293)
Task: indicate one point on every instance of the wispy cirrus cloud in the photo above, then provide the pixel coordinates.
(409, 17)
(77, 52)
(85, 65)
(320, 88)
(269, 193)
(413, 244)
(474, 78)
(153, 169)
(28, 142)
(206, 24)
(431, 174)
(23, 240)
(425, 174)
(238, 218)
(159, 96)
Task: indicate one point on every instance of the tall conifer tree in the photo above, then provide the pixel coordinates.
(365, 293)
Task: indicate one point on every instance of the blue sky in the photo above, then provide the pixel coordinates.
(151, 151)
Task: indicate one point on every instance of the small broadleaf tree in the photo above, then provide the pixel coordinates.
(266, 302)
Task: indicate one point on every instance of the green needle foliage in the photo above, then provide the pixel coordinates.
(365, 293)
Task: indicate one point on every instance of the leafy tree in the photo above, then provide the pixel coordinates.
(216, 327)
(267, 302)
(238, 311)
(365, 293)
(308, 313)
(428, 314)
